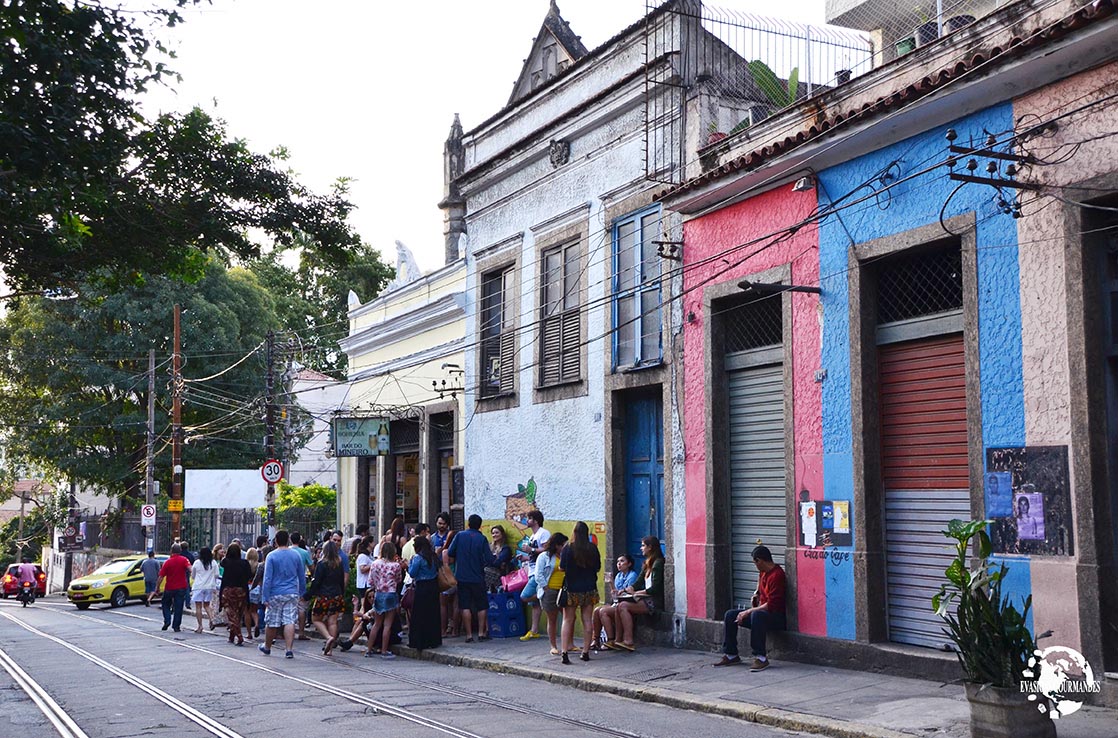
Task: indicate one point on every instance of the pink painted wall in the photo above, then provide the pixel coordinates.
(705, 237)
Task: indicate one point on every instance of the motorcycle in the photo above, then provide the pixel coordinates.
(26, 593)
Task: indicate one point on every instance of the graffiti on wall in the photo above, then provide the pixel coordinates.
(1028, 496)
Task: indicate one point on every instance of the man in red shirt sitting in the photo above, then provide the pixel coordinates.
(174, 579)
(767, 613)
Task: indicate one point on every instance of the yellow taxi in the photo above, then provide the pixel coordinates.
(115, 583)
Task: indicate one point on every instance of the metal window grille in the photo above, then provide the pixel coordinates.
(404, 436)
(918, 284)
(442, 431)
(754, 324)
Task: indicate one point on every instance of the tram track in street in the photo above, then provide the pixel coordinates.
(54, 713)
(396, 676)
(379, 707)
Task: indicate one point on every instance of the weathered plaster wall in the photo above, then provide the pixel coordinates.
(705, 237)
(911, 204)
(1044, 246)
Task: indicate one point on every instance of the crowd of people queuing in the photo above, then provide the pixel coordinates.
(425, 584)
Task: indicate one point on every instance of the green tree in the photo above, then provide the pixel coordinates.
(89, 186)
(73, 385)
(309, 508)
(312, 298)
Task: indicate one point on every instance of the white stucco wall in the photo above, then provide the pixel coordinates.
(320, 399)
(517, 203)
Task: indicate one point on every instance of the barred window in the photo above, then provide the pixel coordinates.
(919, 283)
(560, 320)
(636, 290)
(498, 336)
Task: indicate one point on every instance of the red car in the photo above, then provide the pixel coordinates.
(11, 581)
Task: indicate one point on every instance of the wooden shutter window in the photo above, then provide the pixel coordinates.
(498, 334)
(560, 333)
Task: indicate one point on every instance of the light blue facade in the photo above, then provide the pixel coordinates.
(906, 206)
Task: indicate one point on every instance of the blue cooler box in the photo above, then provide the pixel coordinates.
(506, 615)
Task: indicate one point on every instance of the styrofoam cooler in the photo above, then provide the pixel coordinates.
(506, 615)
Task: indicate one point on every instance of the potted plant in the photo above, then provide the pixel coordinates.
(905, 45)
(992, 639)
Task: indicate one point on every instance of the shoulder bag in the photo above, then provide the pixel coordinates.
(446, 578)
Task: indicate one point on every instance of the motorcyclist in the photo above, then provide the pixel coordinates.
(27, 572)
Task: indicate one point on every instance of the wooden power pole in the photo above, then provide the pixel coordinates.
(176, 432)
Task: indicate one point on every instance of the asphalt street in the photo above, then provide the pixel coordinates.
(107, 673)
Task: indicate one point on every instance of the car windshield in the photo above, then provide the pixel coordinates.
(115, 567)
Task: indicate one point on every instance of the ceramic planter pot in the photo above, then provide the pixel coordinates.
(997, 712)
(956, 22)
(926, 33)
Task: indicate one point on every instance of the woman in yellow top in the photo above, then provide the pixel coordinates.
(547, 570)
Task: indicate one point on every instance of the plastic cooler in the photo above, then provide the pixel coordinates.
(506, 615)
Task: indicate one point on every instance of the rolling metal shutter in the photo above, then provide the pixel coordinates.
(925, 476)
(756, 444)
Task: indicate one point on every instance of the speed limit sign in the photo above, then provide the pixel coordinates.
(272, 471)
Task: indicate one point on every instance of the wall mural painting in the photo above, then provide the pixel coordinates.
(515, 523)
(1028, 496)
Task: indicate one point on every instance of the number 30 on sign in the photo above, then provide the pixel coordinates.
(272, 471)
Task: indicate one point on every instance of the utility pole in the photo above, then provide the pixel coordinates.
(149, 473)
(270, 424)
(176, 429)
(19, 535)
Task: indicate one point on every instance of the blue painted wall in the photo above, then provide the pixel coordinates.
(910, 205)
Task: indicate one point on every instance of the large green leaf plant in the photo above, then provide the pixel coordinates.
(992, 637)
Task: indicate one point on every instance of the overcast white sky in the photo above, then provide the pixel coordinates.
(368, 90)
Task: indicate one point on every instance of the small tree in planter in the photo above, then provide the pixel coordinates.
(992, 639)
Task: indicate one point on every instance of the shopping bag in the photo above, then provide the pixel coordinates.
(515, 581)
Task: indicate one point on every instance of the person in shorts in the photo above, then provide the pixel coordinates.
(471, 552)
(150, 569)
(385, 577)
(550, 577)
(285, 581)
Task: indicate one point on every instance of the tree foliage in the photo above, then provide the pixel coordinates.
(73, 385)
(89, 186)
(312, 298)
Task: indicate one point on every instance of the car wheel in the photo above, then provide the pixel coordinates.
(81, 605)
(119, 597)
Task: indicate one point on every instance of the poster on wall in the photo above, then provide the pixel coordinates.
(825, 523)
(1028, 496)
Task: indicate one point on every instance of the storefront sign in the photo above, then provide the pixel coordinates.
(360, 437)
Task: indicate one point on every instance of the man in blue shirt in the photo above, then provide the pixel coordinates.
(471, 552)
(285, 581)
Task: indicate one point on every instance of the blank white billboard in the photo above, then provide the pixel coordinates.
(229, 489)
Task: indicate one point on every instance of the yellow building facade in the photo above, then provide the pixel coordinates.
(406, 364)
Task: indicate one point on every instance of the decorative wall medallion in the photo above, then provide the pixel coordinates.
(560, 153)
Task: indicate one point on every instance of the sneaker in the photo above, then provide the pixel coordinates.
(388, 655)
(529, 636)
(289, 654)
(728, 661)
(759, 665)
(345, 645)
(265, 651)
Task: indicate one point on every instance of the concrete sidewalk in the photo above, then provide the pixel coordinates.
(814, 699)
